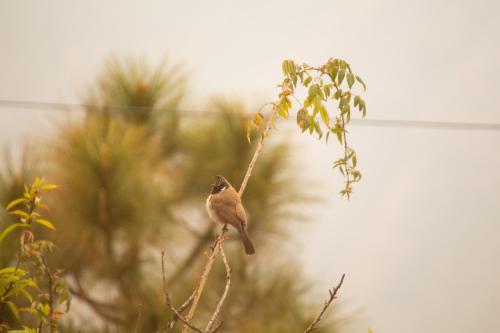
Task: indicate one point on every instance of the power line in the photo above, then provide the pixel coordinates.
(67, 107)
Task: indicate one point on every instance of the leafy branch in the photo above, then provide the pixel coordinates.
(324, 84)
(331, 83)
(15, 280)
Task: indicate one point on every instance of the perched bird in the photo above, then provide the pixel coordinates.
(224, 207)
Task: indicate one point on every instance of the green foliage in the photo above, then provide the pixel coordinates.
(332, 83)
(16, 281)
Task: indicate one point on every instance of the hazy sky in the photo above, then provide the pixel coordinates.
(420, 239)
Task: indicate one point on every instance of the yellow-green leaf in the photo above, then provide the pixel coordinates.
(49, 187)
(20, 213)
(15, 202)
(45, 223)
(13, 309)
(324, 115)
(341, 76)
(350, 79)
(361, 81)
(11, 228)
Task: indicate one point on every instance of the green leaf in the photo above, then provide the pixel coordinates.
(20, 213)
(341, 76)
(13, 309)
(356, 100)
(317, 129)
(258, 120)
(284, 67)
(27, 295)
(15, 202)
(307, 81)
(7, 270)
(361, 81)
(324, 115)
(11, 228)
(333, 70)
(49, 187)
(350, 79)
(45, 223)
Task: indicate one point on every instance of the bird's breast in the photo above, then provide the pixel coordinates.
(210, 211)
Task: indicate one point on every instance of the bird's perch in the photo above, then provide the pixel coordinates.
(220, 239)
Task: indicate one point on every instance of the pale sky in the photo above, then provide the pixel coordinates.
(420, 239)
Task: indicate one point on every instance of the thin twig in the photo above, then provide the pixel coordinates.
(181, 309)
(203, 279)
(224, 295)
(169, 303)
(138, 322)
(345, 152)
(333, 294)
(269, 124)
(52, 324)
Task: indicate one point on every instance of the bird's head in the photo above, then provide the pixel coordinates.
(220, 184)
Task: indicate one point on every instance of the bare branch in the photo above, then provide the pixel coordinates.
(204, 276)
(333, 294)
(224, 295)
(181, 309)
(176, 313)
(139, 315)
(193, 254)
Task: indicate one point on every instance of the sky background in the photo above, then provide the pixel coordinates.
(420, 239)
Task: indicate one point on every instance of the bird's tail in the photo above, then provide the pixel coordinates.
(247, 243)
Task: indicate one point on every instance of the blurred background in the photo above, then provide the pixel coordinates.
(419, 239)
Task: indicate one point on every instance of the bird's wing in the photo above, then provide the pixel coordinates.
(240, 213)
(229, 209)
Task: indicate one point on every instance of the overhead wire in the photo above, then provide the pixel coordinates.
(369, 122)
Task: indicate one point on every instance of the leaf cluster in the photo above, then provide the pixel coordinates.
(325, 108)
(37, 301)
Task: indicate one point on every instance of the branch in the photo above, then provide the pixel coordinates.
(224, 295)
(204, 276)
(269, 124)
(218, 242)
(138, 322)
(52, 324)
(193, 254)
(333, 294)
(169, 303)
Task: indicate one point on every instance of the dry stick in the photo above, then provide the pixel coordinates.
(333, 294)
(138, 322)
(181, 309)
(226, 290)
(220, 239)
(167, 298)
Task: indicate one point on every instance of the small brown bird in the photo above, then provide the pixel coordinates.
(224, 207)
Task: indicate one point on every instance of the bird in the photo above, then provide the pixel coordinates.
(224, 207)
